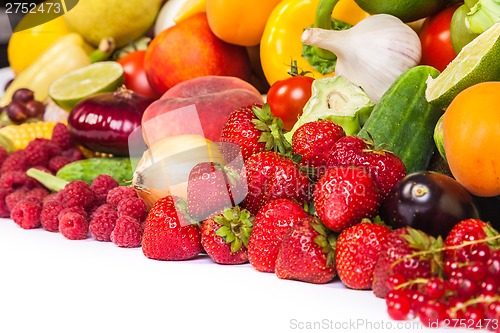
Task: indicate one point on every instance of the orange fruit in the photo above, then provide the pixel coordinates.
(471, 130)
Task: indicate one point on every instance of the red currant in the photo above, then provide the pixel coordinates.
(417, 299)
(435, 288)
(493, 267)
(474, 316)
(398, 304)
(481, 252)
(396, 280)
(432, 314)
(475, 270)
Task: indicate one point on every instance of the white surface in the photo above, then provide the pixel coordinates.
(5, 75)
(51, 284)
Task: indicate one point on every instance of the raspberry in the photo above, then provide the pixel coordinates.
(116, 194)
(13, 180)
(3, 154)
(56, 196)
(27, 213)
(49, 216)
(37, 153)
(127, 232)
(72, 209)
(101, 185)
(73, 154)
(38, 192)
(61, 136)
(15, 162)
(74, 226)
(13, 198)
(77, 193)
(103, 222)
(133, 207)
(57, 162)
(4, 210)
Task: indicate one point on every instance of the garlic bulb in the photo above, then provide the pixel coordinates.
(371, 54)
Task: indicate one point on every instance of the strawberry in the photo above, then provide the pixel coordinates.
(270, 225)
(410, 253)
(212, 187)
(224, 237)
(385, 167)
(357, 253)
(466, 231)
(344, 196)
(271, 176)
(313, 142)
(307, 253)
(254, 129)
(169, 233)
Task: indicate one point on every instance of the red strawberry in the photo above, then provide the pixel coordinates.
(271, 176)
(344, 196)
(402, 253)
(385, 168)
(224, 237)
(213, 187)
(169, 233)
(254, 129)
(313, 142)
(269, 228)
(357, 253)
(307, 253)
(466, 231)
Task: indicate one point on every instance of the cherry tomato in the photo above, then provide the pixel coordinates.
(437, 49)
(134, 75)
(287, 98)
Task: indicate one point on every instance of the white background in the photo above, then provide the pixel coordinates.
(51, 284)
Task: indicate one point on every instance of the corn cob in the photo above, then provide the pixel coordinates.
(15, 137)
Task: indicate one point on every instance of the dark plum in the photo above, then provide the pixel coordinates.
(429, 201)
(23, 95)
(35, 109)
(103, 122)
(16, 112)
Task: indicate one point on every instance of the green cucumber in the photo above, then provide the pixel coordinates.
(403, 121)
(119, 168)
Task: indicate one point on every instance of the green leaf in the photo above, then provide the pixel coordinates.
(223, 231)
(231, 238)
(235, 245)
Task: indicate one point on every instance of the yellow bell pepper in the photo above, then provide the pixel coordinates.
(281, 41)
(239, 22)
(67, 53)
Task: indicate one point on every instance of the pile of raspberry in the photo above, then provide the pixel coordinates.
(45, 154)
(103, 209)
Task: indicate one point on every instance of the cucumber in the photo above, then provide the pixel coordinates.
(119, 168)
(403, 121)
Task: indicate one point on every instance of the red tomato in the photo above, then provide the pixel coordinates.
(437, 49)
(134, 75)
(287, 98)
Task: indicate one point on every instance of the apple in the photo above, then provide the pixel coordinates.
(190, 49)
(197, 106)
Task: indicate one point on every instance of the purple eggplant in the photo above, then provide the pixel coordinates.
(429, 201)
(103, 122)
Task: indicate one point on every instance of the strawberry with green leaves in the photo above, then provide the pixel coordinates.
(169, 232)
(385, 167)
(357, 253)
(212, 187)
(270, 226)
(272, 176)
(468, 230)
(224, 237)
(410, 253)
(253, 129)
(307, 253)
(313, 141)
(343, 196)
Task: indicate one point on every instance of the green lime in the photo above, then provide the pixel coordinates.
(71, 88)
(406, 10)
(477, 62)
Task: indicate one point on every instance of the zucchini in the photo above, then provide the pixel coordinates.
(403, 121)
(120, 168)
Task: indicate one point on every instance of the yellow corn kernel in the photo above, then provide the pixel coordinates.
(15, 137)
